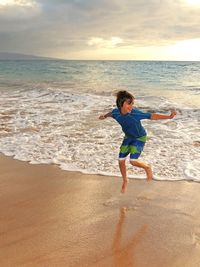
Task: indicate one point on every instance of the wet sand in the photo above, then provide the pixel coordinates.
(51, 217)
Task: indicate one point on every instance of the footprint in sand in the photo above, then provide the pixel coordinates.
(196, 238)
(111, 202)
(143, 198)
(119, 203)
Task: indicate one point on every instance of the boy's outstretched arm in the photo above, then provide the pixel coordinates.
(102, 117)
(156, 116)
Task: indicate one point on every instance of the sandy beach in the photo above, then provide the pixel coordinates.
(51, 217)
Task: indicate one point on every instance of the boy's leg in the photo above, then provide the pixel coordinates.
(136, 149)
(123, 153)
(122, 167)
(145, 166)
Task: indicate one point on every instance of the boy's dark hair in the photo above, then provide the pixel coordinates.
(122, 96)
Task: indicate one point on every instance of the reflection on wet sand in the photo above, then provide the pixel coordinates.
(123, 255)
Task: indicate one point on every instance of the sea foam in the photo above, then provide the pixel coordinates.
(60, 127)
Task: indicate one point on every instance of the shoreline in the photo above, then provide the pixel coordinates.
(131, 176)
(51, 217)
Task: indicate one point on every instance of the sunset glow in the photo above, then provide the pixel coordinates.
(128, 30)
(193, 2)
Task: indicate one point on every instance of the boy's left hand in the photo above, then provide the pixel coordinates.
(173, 114)
(102, 117)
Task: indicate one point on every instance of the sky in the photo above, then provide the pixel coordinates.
(102, 29)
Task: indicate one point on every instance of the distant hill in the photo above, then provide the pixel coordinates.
(15, 56)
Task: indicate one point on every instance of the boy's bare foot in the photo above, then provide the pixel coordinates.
(124, 186)
(149, 172)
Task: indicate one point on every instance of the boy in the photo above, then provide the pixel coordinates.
(135, 135)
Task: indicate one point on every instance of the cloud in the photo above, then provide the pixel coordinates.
(103, 43)
(64, 28)
(12, 10)
(7, 3)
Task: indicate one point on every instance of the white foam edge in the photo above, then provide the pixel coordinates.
(65, 167)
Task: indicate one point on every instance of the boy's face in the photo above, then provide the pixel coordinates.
(127, 106)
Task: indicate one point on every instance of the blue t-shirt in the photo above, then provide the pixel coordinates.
(131, 122)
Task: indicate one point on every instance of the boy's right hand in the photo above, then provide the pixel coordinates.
(173, 114)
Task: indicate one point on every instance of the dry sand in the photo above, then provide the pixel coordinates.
(51, 217)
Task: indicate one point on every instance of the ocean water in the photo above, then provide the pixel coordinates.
(49, 114)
